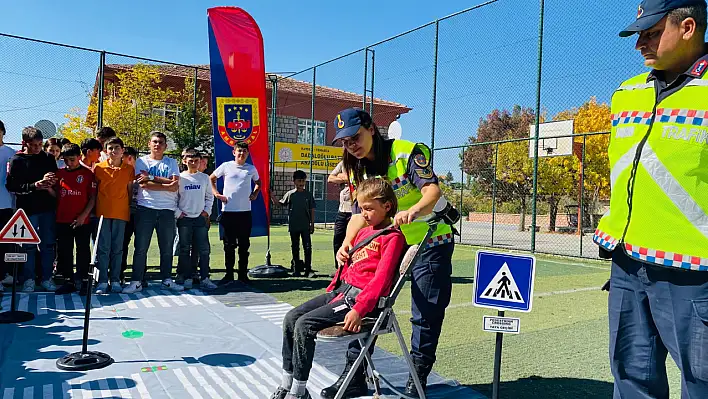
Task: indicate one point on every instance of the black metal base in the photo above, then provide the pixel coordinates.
(269, 271)
(15, 316)
(86, 361)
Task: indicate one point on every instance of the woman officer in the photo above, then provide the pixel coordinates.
(407, 166)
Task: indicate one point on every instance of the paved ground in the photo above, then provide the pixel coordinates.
(192, 345)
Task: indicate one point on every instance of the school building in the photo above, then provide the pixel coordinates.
(294, 128)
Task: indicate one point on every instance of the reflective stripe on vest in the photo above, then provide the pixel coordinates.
(408, 195)
(669, 216)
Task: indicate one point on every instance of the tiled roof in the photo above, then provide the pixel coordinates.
(286, 85)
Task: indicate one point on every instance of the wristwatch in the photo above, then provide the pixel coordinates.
(151, 177)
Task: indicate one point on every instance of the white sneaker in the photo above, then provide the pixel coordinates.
(168, 284)
(207, 284)
(188, 284)
(134, 286)
(49, 285)
(102, 289)
(7, 280)
(28, 286)
(116, 288)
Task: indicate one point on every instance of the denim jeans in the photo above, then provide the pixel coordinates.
(193, 238)
(110, 249)
(655, 311)
(147, 220)
(44, 223)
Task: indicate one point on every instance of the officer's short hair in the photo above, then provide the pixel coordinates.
(697, 12)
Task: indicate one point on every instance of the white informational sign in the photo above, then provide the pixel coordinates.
(506, 325)
(15, 257)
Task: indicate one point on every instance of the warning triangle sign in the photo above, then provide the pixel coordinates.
(19, 230)
(503, 287)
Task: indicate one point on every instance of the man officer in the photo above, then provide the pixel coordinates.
(656, 231)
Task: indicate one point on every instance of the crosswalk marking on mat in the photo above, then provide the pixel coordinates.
(237, 380)
(43, 303)
(274, 313)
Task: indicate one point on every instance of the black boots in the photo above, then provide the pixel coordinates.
(357, 387)
(422, 372)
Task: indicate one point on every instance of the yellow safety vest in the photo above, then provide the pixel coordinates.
(408, 194)
(664, 148)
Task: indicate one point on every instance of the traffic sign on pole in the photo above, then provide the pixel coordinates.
(19, 230)
(504, 281)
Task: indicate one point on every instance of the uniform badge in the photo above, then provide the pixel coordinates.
(421, 160)
(640, 11)
(238, 119)
(424, 173)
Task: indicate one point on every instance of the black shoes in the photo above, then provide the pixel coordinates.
(356, 388)
(422, 372)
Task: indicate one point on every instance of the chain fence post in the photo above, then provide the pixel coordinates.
(366, 77)
(494, 190)
(534, 193)
(373, 74)
(462, 194)
(435, 91)
(194, 110)
(313, 128)
(582, 196)
(101, 73)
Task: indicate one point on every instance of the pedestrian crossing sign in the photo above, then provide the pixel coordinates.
(504, 281)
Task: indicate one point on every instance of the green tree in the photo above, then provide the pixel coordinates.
(186, 131)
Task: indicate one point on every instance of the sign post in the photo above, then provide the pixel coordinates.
(18, 230)
(503, 282)
(87, 360)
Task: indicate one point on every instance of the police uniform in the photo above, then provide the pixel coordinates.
(408, 171)
(656, 230)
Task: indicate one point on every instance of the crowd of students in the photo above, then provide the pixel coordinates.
(66, 189)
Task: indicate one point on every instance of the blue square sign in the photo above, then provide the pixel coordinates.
(504, 281)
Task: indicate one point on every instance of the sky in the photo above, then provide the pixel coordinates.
(487, 57)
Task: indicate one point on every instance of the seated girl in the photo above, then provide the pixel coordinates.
(353, 293)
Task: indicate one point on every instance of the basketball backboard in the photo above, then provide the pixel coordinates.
(47, 128)
(554, 139)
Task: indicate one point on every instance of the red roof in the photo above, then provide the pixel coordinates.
(284, 84)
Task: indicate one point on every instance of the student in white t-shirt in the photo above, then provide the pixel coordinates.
(236, 209)
(6, 205)
(158, 177)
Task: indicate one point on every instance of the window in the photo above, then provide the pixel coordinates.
(318, 185)
(169, 113)
(304, 131)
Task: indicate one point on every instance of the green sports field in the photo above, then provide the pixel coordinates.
(560, 353)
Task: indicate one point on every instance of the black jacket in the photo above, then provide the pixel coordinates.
(25, 170)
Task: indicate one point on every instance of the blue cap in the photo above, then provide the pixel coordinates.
(650, 12)
(348, 122)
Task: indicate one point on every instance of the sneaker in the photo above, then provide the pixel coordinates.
(305, 395)
(188, 284)
(207, 284)
(116, 288)
(102, 289)
(66, 288)
(134, 286)
(8, 280)
(28, 286)
(168, 284)
(280, 393)
(49, 285)
(228, 279)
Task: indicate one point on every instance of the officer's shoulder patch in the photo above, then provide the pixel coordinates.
(424, 173)
(421, 160)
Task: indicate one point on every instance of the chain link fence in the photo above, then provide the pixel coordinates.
(470, 88)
